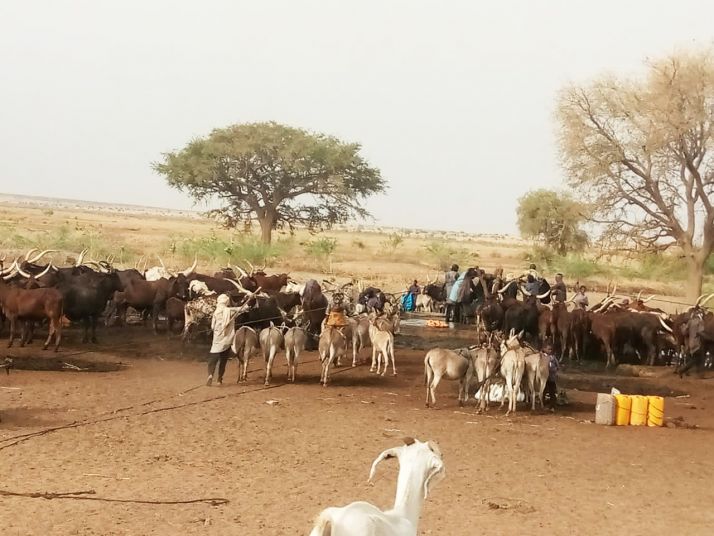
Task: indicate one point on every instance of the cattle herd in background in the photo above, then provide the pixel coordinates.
(35, 292)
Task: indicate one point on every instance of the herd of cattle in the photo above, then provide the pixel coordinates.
(33, 292)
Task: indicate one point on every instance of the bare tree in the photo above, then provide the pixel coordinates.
(642, 152)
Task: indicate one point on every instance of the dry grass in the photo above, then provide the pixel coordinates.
(376, 258)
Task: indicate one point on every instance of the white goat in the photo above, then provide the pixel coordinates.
(420, 467)
(271, 340)
(330, 347)
(440, 363)
(536, 376)
(295, 340)
(245, 343)
(512, 367)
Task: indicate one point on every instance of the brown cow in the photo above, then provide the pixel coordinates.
(29, 305)
(269, 283)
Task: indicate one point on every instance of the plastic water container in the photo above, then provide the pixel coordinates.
(638, 411)
(622, 414)
(605, 409)
(655, 411)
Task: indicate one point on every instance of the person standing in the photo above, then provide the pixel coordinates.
(581, 300)
(532, 285)
(551, 386)
(224, 330)
(336, 317)
(450, 278)
(559, 290)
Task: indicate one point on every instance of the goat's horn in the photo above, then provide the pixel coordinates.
(389, 453)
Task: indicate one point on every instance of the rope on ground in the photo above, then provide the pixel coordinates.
(21, 438)
(88, 495)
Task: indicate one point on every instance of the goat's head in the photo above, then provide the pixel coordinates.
(422, 458)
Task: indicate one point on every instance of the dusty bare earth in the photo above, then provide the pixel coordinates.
(153, 433)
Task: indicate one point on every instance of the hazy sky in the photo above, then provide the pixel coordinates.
(452, 100)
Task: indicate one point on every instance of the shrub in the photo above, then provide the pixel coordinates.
(321, 249)
(392, 243)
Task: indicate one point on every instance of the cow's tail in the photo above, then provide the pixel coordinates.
(323, 526)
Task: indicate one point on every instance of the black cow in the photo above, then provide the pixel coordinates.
(314, 306)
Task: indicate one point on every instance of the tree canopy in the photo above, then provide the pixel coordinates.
(553, 219)
(278, 175)
(641, 150)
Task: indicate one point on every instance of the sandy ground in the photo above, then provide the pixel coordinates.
(164, 437)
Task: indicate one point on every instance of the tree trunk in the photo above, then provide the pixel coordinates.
(267, 223)
(695, 269)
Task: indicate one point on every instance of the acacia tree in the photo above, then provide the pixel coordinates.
(642, 152)
(552, 218)
(278, 175)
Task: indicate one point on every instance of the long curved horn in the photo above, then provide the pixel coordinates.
(252, 268)
(138, 262)
(243, 273)
(47, 269)
(41, 254)
(707, 299)
(604, 303)
(192, 269)
(164, 267)
(80, 257)
(544, 295)
(29, 252)
(649, 299)
(524, 291)
(665, 326)
(237, 285)
(243, 289)
(508, 285)
(614, 290)
(12, 273)
(21, 271)
(389, 453)
(699, 300)
(639, 296)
